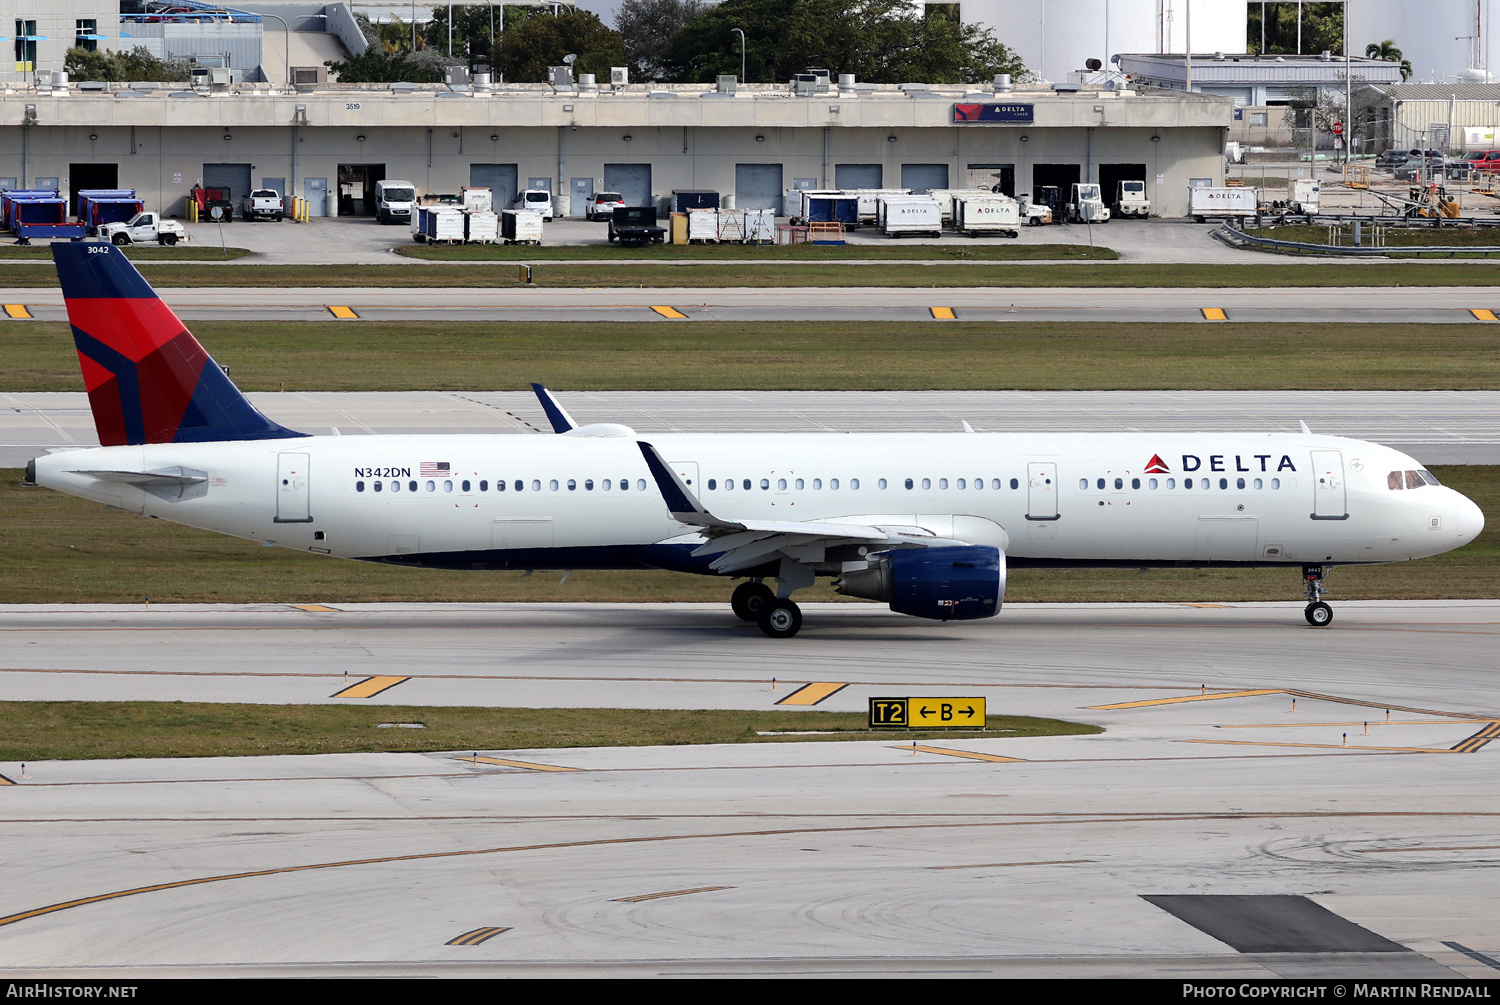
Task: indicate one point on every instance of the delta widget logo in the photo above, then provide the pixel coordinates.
(1157, 466)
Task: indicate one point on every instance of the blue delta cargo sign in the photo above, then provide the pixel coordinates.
(992, 113)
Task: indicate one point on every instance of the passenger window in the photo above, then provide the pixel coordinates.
(817, 484)
(1119, 483)
(1203, 483)
(395, 486)
(729, 485)
(908, 483)
(412, 486)
(781, 484)
(1258, 483)
(833, 483)
(431, 485)
(962, 484)
(799, 483)
(640, 484)
(1135, 483)
(552, 484)
(377, 486)
(1187, 483)
(536, 485)
(927, 483)
(1015, 483)
(359, 486)
(853, 485)
(942, 483)
(1239, 483)
(745, 485)
(1101, 483)
(1152, 483)
(1275, 483)
(712, 484)
(572, 485)
(1393, 481)
(881, 483)
(978, 484)
(765, 483)
(624, 484)
(1171, 483)
(448, 485)
(604, 485)
(588, 485)
(1223, 483)
(1083, 483)
(1413, 480)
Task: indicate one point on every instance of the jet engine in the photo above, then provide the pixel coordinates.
(959, 583)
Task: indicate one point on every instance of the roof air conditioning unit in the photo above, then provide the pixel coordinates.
(560, 77)
(306, 78)
(619, 76)
(725, 83)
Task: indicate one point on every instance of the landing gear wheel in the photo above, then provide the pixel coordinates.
(780, 619)
(749, 599)
(1319, 614)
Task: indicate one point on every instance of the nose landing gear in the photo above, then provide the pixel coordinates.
(1318, 614)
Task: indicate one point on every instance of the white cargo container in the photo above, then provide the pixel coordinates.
(484, 227)
(476, 197)
(703, 225)
(1302, 195)
(521, 226)
(760, 226)
(1206, 204)
(869, 200)
(444, 225)
(990, 213)
(945, 197)
(910, 214)
(731, 226)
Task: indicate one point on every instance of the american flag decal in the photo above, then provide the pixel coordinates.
(436, 469)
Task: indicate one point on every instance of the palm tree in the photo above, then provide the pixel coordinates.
(1387, 51)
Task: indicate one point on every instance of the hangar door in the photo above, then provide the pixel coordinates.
(1064, 176)
(235, 177)
(990, 175)
(632, 181)
(500, 179)
(924, 177)
(757, 186)
(858, 176)
(1110, 176)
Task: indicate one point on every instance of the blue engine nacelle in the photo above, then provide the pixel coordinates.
(942, 584)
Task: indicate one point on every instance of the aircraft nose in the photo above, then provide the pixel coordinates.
(1470, 519)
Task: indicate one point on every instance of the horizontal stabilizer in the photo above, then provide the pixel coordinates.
(173, 484)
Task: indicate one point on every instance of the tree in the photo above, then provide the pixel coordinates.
(1387, 51)
(646, 26)
(882, 41)
(1322, 28)
(542, 40)
(377, 66)
(137, 64)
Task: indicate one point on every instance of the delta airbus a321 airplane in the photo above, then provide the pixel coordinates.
(925, 522)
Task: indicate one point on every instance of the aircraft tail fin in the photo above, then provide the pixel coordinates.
(148, 379)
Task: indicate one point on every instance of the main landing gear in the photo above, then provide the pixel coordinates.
(777, 618)
(1318, 614)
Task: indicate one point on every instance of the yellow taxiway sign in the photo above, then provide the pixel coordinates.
(927, 713)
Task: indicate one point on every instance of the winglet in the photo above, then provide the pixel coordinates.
(561, 421)
(1304, 427)
(681, 502)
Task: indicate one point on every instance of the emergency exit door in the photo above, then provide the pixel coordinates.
(1329, 495)
(1041, 498)
(292, 489)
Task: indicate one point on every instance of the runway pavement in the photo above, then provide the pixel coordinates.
(1236, 763)
(509, 302)
(1437, 427)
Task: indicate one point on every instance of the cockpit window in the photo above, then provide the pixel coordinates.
(1428, 477)
(1393, 481)
(1413, 480)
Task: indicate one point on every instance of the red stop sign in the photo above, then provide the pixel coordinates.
(1338, 127)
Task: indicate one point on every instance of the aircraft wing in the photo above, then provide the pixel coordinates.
(742, 544)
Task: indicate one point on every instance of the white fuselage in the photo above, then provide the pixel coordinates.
(578, 501)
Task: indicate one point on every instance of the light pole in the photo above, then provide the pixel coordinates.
(286, 50)
(742, 55)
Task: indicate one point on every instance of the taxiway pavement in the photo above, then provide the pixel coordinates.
(1236, 764)
(1437, 427)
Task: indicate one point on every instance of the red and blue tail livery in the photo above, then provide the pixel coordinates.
(148, 379)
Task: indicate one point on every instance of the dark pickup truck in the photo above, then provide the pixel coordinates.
(635, 225)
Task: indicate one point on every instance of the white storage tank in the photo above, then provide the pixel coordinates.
(1055, 37)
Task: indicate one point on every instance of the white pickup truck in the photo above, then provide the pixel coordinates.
(262, 203)
(144, 227)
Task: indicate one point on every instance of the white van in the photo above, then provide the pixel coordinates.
(538, 200)
(394, 201)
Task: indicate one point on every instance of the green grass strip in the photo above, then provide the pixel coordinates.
(200, 252)
(890, 250)
(837, 356)
(35, 731)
